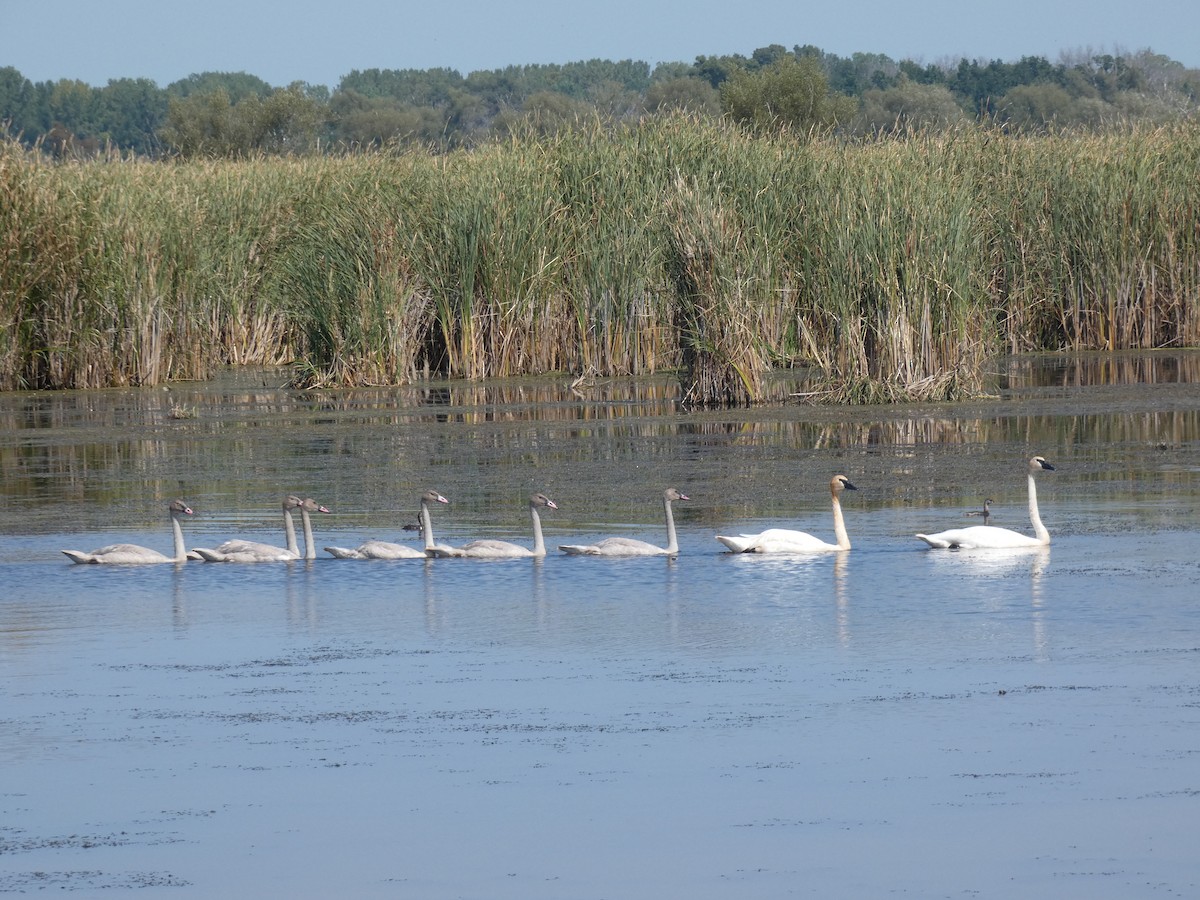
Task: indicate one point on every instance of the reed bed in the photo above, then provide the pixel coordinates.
(895, 268)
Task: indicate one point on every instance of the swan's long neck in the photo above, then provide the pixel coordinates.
(426, 526)
(672, 540)
(310, 548)
(180, 549)
(539, 543)
(839, 525)
(1034, 516)
(289, 529)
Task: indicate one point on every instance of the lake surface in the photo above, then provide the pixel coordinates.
(891, 721)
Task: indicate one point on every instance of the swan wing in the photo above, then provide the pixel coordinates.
(119, 554)
(344, 553)
(492, 549)
(131, 555)
(936, 541)
(783, 540)
(776, 540)
(614, 546)
(738, 543)
(390, 550)
(377, 550)
(241, 546)
(979, 537)
(245, 551)
(578, 549)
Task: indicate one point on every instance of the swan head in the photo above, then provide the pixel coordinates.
(671, 494)
(1038, 464)
(308, 504)
(178, 506)
(432, 496)
(291, 501)
(840, 483)
(543, 501)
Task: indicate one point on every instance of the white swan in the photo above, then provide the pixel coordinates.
(492, 549)
(785, 540)
(993, 538)
(619, 546)
(388, 550)
(242, 551)
(134, 555)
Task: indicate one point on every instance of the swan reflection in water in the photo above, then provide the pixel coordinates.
(1009, 564)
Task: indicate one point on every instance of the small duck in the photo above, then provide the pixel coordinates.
(986, 512)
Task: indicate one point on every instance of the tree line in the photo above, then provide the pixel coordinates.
(223, 115)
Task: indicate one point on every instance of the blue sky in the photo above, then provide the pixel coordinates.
(306, 40)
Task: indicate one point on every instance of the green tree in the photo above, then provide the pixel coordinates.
(613, 102)
(1146, 106)
(468, 120)
(983, 85)
(356, 120)
(581, 79)
(1037, 107)
(792, 93)
(236, 85)
(201, 125)
(132, 111)
(857, 74)
(683, 94)
(18, 105)
(668, 71)
(1111, 75)
(716, 70)
(410, 87)
(73, 104)
(908, 106)
(73, 110)
(497, 89)
(545, 113)
(1165, 79)
(764, 57)
(286, 123)
(928, 74)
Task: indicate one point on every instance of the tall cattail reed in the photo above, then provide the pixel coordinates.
(715, 302)
(893, 268)
(1097, 245)
(894, 287)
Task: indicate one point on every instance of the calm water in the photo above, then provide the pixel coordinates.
(888, 722)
